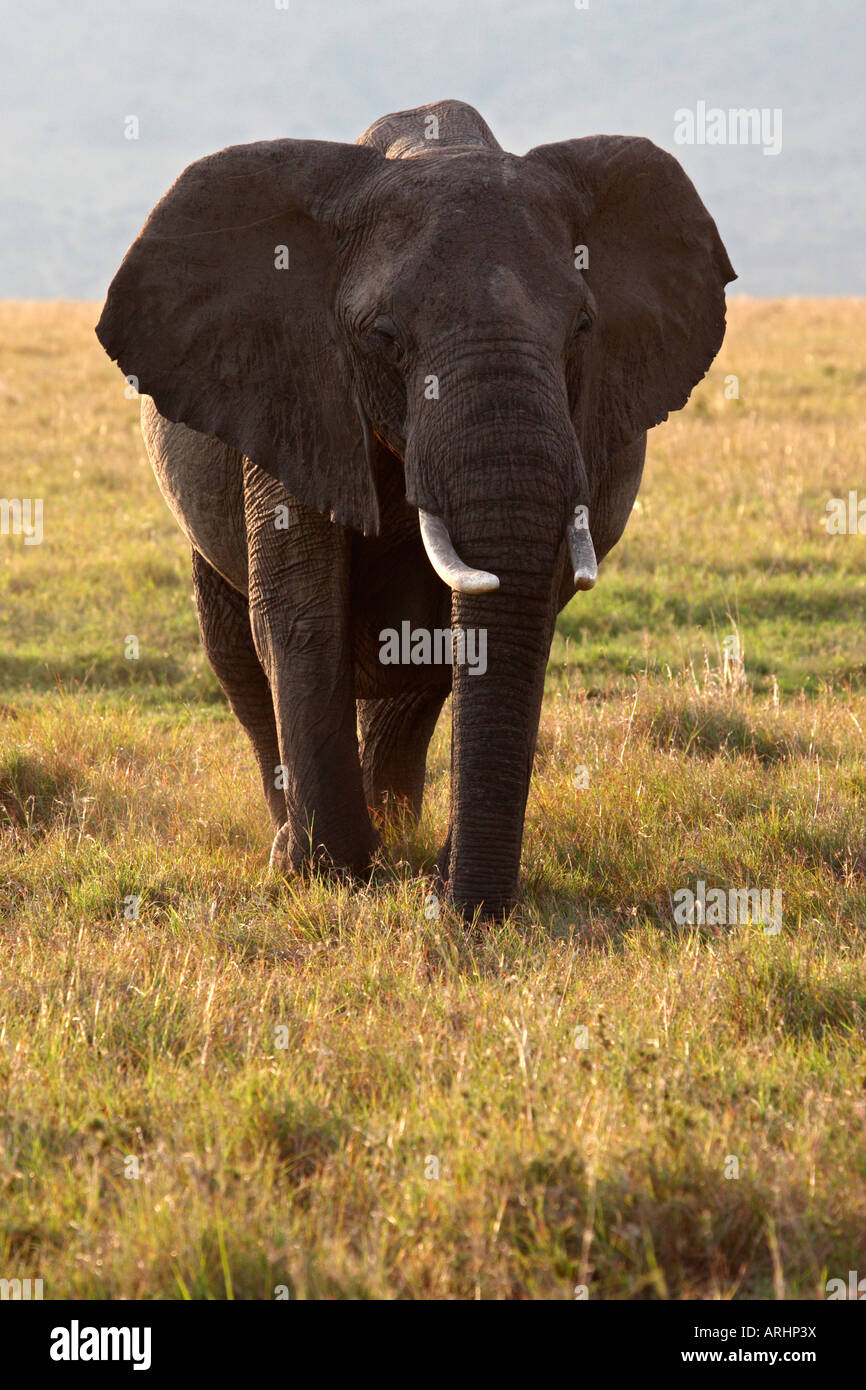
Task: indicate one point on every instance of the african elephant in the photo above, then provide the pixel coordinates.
(350, 355)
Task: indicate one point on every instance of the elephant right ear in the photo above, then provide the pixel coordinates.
(222, 312)
(657, 270)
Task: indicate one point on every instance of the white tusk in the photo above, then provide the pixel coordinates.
(447, 563)
(581, 549)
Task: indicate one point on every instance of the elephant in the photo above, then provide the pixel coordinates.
(407, 380)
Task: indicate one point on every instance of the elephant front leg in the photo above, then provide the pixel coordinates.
(299, 615)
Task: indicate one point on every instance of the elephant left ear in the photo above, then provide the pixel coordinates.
(657, 269)
(223, 312)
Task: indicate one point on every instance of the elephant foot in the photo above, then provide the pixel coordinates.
(286, 857)
(289, 856)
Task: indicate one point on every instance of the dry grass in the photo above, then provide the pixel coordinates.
(288, 1067)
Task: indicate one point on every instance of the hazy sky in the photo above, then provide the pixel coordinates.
(199, 76)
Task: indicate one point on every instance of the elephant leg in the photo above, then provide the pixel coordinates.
(224, 624)
(299, 565)
(395, 734)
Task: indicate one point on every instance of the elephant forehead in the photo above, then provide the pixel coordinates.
(468, 183)
(488, 234)
(505, 289)
(441, 230)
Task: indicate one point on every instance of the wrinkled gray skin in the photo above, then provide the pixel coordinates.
(415, 253)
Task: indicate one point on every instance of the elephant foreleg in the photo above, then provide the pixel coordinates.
(300, 621)
(224, 624)
(395, 734)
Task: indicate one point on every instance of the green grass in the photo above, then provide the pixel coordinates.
(288, 1066)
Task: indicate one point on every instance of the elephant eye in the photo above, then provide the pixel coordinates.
(584, 322)
(385, 330)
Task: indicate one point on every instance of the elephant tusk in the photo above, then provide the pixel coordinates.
(581, 549)
(447, 563)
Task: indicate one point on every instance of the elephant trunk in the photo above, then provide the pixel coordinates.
(495, 724)
(509, 489)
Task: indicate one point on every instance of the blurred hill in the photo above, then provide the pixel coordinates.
(201, 77)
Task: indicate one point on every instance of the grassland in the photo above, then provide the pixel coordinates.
(324, 1090)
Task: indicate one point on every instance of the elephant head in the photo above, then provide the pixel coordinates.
(504, 326)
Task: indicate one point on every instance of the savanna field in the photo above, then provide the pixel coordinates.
(256, 1086)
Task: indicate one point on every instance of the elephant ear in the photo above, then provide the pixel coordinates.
(222, 311)
(657, 270)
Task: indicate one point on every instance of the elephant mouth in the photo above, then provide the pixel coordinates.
(463, 579)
